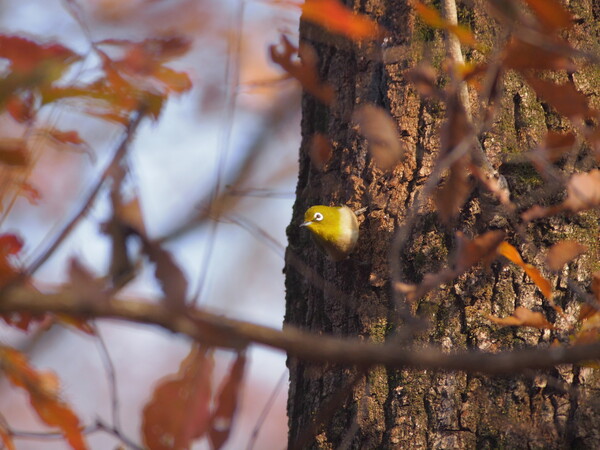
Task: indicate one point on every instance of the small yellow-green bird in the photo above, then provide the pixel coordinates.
(334, 229)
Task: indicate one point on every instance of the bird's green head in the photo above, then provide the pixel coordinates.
(334, 228)
(322, 220)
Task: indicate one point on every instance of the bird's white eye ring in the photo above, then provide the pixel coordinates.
(318, 217)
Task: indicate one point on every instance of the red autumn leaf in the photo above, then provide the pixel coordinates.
(26, 55)
(20, 109)
(21, 320)
(320, 151)
(10, 244)
(305, 71)
(512, 254)
(43, 388)
(28, 191)
(523, 317)
(381, 132)
(336, 17)
(179, 410)
(226, 404)
(13, 152)
(583, 191)
(562, 253)
(65, 137)
(551, 14)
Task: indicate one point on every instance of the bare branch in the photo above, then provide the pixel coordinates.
(219, 331)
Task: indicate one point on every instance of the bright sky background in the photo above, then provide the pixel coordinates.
(173, 164)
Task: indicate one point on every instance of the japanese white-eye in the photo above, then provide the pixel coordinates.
(334, 229)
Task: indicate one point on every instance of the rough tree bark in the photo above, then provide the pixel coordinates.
(408, 408)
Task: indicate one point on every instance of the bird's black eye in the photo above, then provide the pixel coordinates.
(318, 217)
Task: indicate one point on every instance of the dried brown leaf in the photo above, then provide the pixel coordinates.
(424, 77)
(179, 410)
(562, 253)
(226, 403)
(320, 151)
(521, 56)
(451, 196)
(583, 191)
(381, 132)
(551, 14)
(481, 248)
(565, 98)
(523, 317)
(305, 70)
(596, 285)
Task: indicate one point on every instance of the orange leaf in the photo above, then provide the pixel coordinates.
(433, 18)
(337, 18)
(551, 14)
(512, 254)
(80, 324)
(66, 137)
(42, 388)
(523, 317)
(226, 404)
(173, 80)
(562, 253)
(179, 409)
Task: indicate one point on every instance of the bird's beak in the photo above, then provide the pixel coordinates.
(305, 224)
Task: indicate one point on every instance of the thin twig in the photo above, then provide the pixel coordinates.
(111, 375)
(263, 414)
(72, 223)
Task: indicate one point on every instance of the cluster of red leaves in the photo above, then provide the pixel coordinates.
(131, 76)
(181, 409)
(34, 79)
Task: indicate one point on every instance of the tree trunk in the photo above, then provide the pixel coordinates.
(344, 407)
